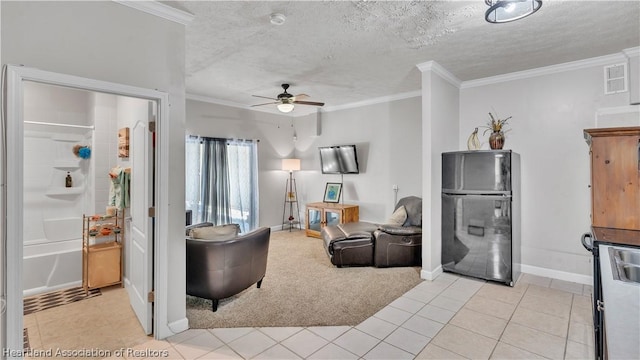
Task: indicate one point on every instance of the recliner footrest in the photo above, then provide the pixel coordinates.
(349, 244)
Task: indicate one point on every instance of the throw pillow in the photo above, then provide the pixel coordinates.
(220, 232)
(191, 227)
(398, 217)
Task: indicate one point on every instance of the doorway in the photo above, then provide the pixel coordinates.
(147, 278)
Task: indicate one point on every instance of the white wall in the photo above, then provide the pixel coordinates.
(82, 39)
(104, 150)
(440, 103)
(387, 137)
(549, 115)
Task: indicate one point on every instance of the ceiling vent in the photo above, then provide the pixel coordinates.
(615, 78)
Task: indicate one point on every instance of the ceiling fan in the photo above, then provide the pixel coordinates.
(285, 100)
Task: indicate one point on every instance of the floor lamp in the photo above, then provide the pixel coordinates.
(291, 194)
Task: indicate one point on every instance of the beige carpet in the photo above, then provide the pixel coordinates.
(303, 288)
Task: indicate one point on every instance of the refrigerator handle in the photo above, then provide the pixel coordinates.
(587, 245)
(476, 196)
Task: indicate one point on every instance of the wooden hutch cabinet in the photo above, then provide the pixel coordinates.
(322, 214)
(615, 177)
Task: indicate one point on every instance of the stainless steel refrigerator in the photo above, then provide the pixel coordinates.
(481, 214)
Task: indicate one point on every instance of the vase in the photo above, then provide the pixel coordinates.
(496, 140)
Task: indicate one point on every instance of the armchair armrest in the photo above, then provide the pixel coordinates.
(400, 230)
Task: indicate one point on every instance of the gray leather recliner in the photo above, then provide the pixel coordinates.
(220, 269)
(365, 244)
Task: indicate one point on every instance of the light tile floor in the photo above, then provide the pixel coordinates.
(452, 317)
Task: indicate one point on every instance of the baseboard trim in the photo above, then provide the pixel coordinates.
(431, 275)
(178, 326)
(557, 274)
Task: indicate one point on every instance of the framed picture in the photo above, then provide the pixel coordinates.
(332, 192)
(123, 142)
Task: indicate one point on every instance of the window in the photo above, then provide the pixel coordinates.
(222, 181)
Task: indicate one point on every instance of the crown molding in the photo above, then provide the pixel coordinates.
(211, 100)
(547, 70)
(632, 52)
(160, 10)
(378, 100)
(441, 71)
(358, 104)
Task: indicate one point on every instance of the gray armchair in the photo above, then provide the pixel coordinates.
(218, 269)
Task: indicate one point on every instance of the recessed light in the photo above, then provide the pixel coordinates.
(278, 19)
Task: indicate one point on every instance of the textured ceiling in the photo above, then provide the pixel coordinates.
(341, 52)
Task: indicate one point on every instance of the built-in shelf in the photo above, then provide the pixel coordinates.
(76, 190)
(70, 164)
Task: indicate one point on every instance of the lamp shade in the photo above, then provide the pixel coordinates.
(285, 108)
(291, 164)
(501, 11)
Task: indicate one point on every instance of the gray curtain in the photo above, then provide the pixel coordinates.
(222, 181)
(214, 184)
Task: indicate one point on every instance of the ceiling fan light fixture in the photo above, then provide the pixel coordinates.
(502, 11)
(285, 107)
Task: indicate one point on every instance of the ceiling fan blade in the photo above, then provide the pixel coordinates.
(269, 103)
(264, 97)
(309, 103)
(301, 96)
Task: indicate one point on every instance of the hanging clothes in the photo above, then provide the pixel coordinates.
(119, 187)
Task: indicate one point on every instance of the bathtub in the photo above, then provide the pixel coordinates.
(55, 261)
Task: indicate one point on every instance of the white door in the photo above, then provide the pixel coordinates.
(140, 240)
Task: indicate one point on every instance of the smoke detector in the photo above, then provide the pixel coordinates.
(278, 19)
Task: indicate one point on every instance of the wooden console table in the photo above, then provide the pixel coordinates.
(321, 214)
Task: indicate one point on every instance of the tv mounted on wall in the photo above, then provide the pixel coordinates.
(339, 159)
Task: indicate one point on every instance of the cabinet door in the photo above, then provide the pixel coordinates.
(332, 217)
(616, 182)
(314, 219)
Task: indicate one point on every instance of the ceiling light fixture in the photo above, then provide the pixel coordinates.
(502, 11)
(285, 107)
(278, 19)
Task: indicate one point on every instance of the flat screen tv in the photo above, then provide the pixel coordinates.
(339, 159)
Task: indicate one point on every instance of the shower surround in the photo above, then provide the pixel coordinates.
(56, 120)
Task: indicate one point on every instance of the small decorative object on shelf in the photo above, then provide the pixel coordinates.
(68, 181)
(496, 126)
(473, 143)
